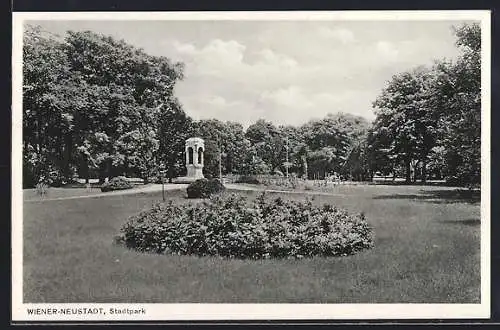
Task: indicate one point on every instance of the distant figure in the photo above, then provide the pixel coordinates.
(106, 180)
(88, 186)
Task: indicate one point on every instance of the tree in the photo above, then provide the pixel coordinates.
(48, 105)
(134, 86)
(227, 139)
(175, 128)
(326, 146)
(297, 149)
(268, 143)
(459, 85)
(434, 115)
(405, 115)
(92, 103)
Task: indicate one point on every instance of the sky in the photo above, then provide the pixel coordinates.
(287, 72)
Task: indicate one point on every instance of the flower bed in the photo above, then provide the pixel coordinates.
(116, 183)
(230, 226)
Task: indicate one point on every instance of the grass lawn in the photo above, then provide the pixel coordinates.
(426, 251)
(31, 194)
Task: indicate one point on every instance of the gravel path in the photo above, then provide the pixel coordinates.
(147, 189)
(158, 187)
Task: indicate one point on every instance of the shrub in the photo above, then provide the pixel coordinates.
(252, 179)
(229, 226)
(116, 183)
(204, 188)
(278, 173)
(41, 188)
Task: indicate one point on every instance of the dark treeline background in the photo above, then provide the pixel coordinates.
(97, 107)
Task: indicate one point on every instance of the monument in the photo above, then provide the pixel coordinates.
(195, 147)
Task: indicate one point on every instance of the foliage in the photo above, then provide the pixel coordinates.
(251, 179)
(175, 128)
(460, 85)
(204, 188)
(406, 115)
(41, 188)
(92, 103)
(258, 166)
(430, 117)
(229, 226)
(268, 143)
(226, 139)
(116, 183)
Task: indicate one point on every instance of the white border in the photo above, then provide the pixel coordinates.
(155, 312)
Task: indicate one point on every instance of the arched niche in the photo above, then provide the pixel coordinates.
(190, 155)
(200, 155)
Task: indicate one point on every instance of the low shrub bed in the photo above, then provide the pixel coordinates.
(116, 183)
(229, 226)
(252, 179)
(204, 188)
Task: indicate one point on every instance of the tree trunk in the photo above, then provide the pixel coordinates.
(424, 170)
(109, 166)
(408, 170)
(304, 164)
(102, 173)
(67, 156)
(170, 174)
(86, 170)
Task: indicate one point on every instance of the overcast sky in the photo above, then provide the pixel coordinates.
(284, 71)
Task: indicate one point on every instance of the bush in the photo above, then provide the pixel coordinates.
(229, 226)
(278, 173)
(204, 188)
(248, 179)
(41, 188)
(116, 183)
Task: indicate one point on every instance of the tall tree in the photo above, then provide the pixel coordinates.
(92, 102)
(49, 99)
(268, 143)
(434, 114)
(226, 139)
(175, 128)
(404, 113)
(459, 85)
(327, 145)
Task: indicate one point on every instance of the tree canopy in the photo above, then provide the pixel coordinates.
(94, 106)
(432, 116)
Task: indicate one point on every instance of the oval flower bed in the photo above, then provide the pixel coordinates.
(230, 226)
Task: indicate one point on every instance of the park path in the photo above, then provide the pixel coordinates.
(158, 188)
(138, 190)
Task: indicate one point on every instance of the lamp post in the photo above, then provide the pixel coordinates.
(220, 163)
(287, 163)
(162, 173)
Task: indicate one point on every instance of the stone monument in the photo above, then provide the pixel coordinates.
(195, 147)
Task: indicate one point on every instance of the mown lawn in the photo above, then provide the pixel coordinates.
(427, 251)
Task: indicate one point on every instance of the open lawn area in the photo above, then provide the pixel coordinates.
(426, 250)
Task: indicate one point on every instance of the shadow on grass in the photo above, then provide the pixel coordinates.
(440, 196)
(435, 183)
(465, 222)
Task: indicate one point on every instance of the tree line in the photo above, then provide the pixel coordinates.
(97, 107)
(428, 120)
